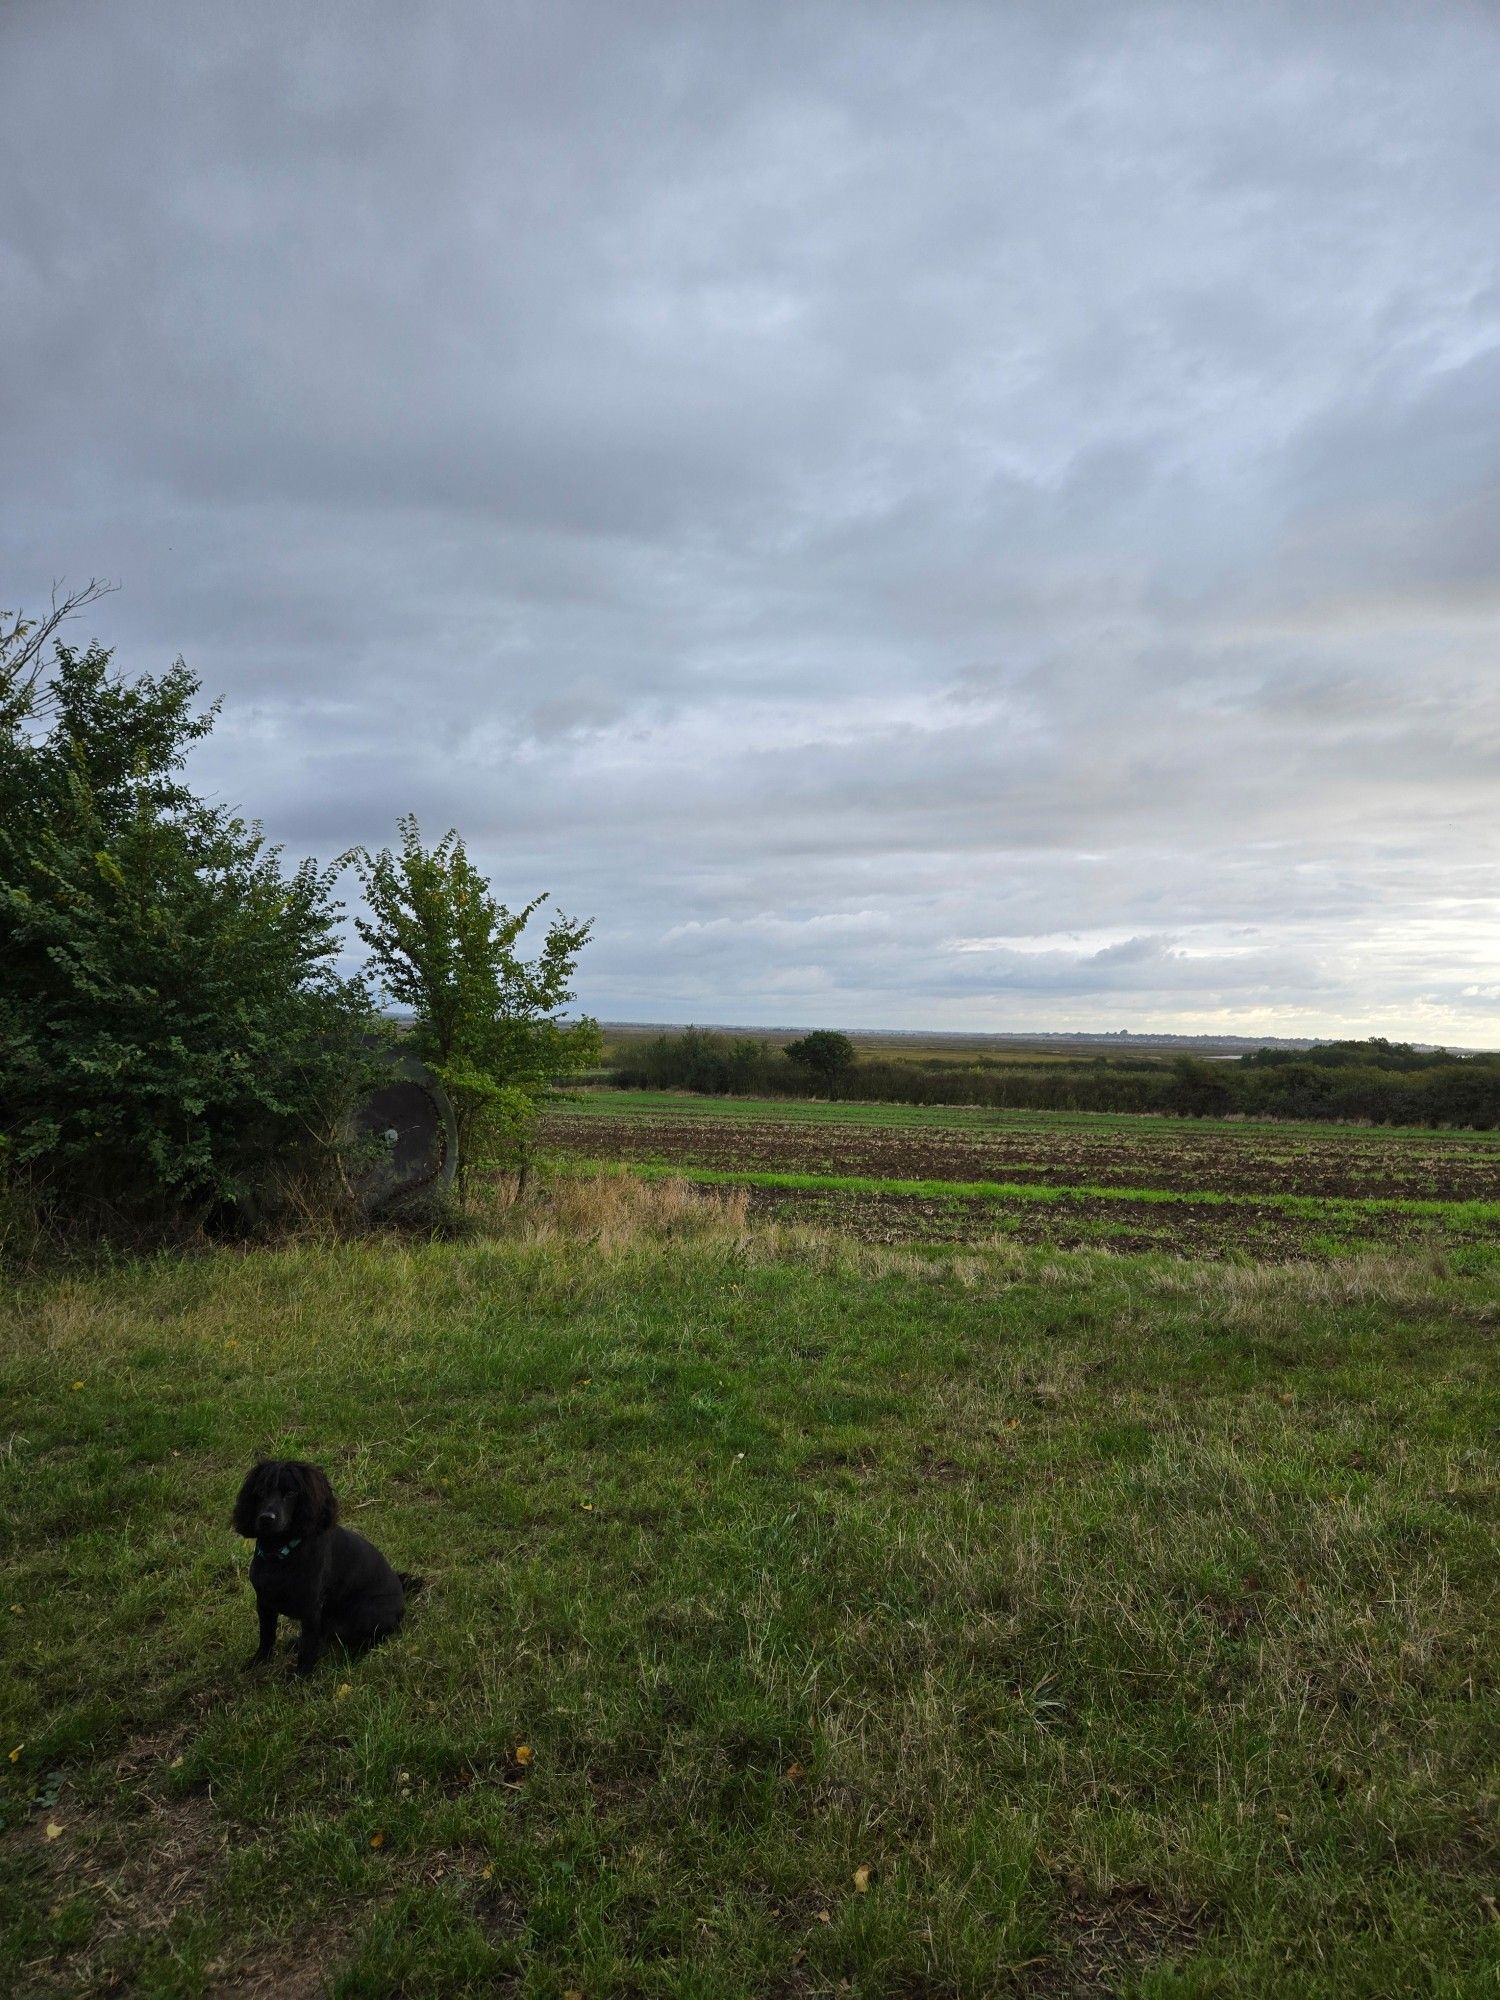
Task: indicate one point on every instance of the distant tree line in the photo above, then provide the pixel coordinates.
(1374, 1082)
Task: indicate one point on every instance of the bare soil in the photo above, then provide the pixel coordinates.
(1182, 1161)
(1186, 1160)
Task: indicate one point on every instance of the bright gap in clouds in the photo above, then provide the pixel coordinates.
(968, 517)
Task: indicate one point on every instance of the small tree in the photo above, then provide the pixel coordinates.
(487, 1020)
(171, 1024)
(824, 1052)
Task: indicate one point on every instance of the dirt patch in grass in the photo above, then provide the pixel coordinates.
(290, 1969)
(858, 1462)
(142, 1865)
(1113, 1938)
(139, 1871)
(942, 1471)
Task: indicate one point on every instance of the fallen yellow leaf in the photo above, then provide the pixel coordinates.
(486, 1872)
(17, 1609)
(862, 1877)
(15, 1755)
(793, 1772)
(343, 1690)
(523, 1753)
(824, 1917)
(53, 1829)
(377, 1840)
(75, 1385)
(176, 1764)
(587, 1506)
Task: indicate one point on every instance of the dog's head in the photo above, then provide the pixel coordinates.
(284, 1497)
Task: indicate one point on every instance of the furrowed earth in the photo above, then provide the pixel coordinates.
(1128, 1184)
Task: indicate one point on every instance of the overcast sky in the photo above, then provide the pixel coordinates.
(909, 515)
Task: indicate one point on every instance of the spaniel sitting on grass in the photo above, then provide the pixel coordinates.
(332, 1581)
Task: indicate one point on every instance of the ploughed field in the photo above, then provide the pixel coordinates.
(1130, 1184)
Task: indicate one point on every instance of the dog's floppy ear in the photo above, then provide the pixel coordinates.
(243, 1518)
(317, 1510)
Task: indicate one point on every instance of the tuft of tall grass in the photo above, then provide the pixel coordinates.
(611, 1210)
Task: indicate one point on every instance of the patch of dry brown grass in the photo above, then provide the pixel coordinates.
(616, 1211)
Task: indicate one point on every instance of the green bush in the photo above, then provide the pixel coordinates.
(825, 1054)
(173, 1031)
(711, 1064)
(490, 1022)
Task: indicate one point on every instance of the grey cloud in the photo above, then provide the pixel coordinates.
(808, 483)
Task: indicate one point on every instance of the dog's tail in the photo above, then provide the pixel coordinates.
(409, 1583)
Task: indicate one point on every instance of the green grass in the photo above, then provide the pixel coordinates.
(1467, 1215)
(1131, 1621)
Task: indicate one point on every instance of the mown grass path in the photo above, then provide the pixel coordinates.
(998, 1624)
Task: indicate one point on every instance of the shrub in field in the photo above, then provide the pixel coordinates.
(700, 1060)
(172, 1026)
(1199, 1089)
(825, 1054)
(489, 1021)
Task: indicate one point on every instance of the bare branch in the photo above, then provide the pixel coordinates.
(24, 641)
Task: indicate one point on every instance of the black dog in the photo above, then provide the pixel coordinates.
(308, 1568)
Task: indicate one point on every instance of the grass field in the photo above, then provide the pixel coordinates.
(802, 1618)
(939, 1174)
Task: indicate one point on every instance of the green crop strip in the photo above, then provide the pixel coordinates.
(1474, 1214)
